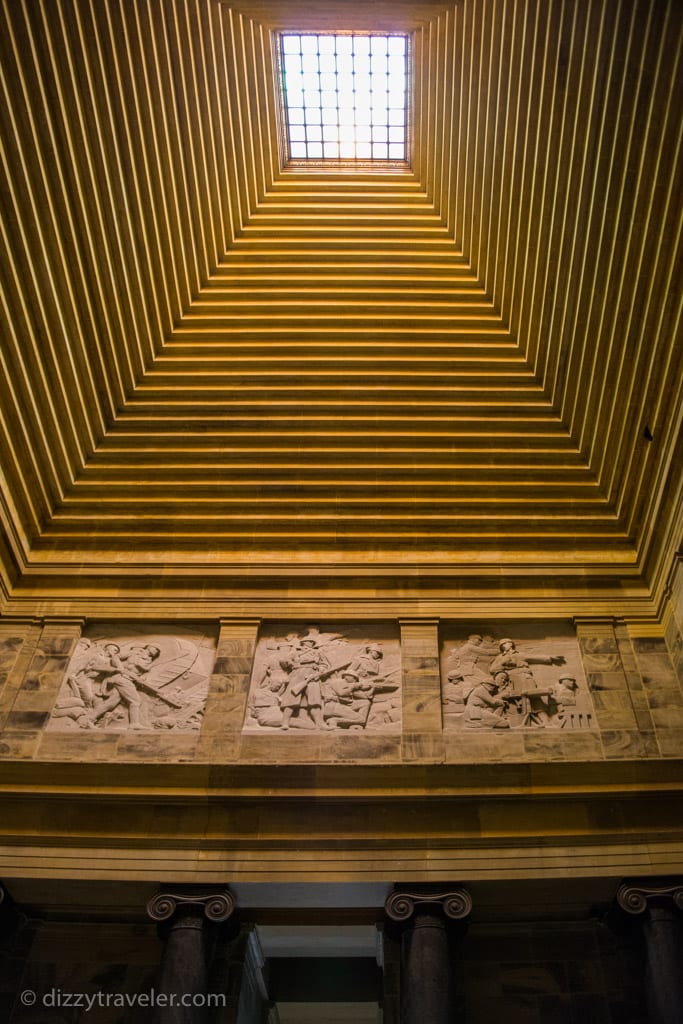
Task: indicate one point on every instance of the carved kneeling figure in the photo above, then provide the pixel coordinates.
(484, 709)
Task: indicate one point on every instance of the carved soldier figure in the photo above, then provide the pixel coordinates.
(468, 658)
(103, 662)
(302, 692)
(347, 700)
(456, 691)
(368, 664)
(517, 666)
(564, 696)
(485, 709)
(121, 685)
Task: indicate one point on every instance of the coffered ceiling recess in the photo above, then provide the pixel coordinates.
(220, 375)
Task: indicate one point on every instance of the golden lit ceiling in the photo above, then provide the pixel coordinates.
(220, 376)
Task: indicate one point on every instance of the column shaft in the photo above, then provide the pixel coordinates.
(183, 976)
(426, 989)
(663, 930)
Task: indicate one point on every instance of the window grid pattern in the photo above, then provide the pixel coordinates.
(345, 96)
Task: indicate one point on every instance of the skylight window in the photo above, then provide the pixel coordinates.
(345, 96)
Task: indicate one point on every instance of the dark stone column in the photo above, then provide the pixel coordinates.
(186, 917)
(426, 976)
(659, 906)
(16, 938)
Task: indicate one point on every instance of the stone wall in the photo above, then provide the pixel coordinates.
(550, 973)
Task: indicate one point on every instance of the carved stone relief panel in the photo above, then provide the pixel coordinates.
(123, 677)
(332, 677)
(521, 677)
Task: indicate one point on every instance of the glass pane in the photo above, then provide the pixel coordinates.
(311, 80)
(292, 63)
(309, 62)
(337, 86)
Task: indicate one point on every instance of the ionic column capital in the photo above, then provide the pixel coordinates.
(455, 902)
(636, 896)
(216, 905)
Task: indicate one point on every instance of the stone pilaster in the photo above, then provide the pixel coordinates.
(426, 970)
(34, 699)
(659, 906)
(422, 724)
(185, 916)
(229, 690)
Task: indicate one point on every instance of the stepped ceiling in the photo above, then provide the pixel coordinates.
(225, 379)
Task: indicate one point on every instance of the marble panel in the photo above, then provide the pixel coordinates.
(365, 748)
(128, 678)
(656, 669)
(670, 742)
(560, 746)
(613, 709)
(668, 716)
(484, 748)
(17, 746)
(156, 746)
(26, 721)
(421, 710)
(297, 747)
(416, 746)
(225, 712)
(340, 678)
(218, 747)
(628, 743)
(82, 746)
